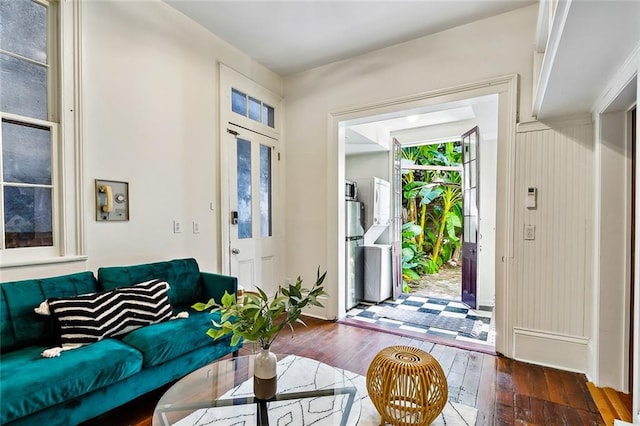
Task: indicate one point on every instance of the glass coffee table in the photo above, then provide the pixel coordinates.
(221, 393)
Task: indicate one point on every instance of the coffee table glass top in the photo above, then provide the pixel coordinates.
(221, 393)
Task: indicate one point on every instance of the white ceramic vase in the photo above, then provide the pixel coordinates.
(265, 375)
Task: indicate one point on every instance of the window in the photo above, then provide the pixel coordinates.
(33, 205)
(253, 108)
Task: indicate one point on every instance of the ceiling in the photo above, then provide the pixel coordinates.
(292, 36)
(432, 124)
(590, 42)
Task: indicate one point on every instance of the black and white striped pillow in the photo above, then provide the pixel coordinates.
(89, 318)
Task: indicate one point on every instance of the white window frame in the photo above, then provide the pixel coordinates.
(67, 148)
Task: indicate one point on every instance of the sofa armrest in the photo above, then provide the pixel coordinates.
(214, 285)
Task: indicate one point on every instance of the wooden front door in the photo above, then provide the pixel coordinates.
(470, 198)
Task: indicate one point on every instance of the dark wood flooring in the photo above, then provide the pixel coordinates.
(504, 391)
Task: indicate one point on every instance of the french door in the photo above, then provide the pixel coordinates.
(470, 198)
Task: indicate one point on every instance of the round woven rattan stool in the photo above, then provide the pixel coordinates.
(407, 386)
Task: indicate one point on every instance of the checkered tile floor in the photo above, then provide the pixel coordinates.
(483, 332)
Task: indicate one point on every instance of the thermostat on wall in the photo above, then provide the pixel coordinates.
(532, 193)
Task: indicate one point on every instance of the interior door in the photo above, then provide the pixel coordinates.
(252, 244)
(396, 222)
(470, 202)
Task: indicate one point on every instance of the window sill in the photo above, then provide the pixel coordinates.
(48, 261)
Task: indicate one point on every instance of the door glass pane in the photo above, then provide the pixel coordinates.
(265, 192)
(244, 188)
(465, 146)
(473, 173)
(26, 153)
(27, 217)
(472, 146)
(23, 87)
(268, 115)
(466, 202)
(473, 206)
(465, 174)
(238, 102)
(466, 227)
(24, 29)
(255, 108)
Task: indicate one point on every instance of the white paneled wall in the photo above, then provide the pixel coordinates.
(551, 275)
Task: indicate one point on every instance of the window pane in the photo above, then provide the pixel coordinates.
(26, 154)
(268, 115)
(238, 102)
(23, 87)
(244, 188)
(255, 107)
(23, 29)
(265, 191)
(27, 217)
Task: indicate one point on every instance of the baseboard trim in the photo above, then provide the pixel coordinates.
(561, 351)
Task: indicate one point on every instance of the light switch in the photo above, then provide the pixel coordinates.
(529, 232)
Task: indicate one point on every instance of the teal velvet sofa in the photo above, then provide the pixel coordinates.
(85, 382)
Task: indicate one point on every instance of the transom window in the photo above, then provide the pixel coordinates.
(253, 108)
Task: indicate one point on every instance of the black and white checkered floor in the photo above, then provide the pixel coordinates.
(443, 318)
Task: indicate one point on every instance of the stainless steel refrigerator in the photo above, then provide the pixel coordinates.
(354, 253)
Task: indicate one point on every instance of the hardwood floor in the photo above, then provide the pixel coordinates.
(504, 391)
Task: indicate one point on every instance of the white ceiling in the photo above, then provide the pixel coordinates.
(436, 123)
(297, 35)
(588, 45)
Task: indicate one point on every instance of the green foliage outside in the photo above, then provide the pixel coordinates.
(432, 202)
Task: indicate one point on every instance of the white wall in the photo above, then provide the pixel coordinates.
(364, 165)
(150, 85)
(614, 254)
(462, 55)
(551, 275)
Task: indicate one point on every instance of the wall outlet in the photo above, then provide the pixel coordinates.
(177, 226)
(529, 232)
(196, 227)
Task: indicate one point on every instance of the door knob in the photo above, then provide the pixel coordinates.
(235, 251)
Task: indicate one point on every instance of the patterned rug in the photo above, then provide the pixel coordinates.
(449, 319)
(313, 411)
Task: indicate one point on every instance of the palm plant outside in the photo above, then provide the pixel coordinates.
(432, 200)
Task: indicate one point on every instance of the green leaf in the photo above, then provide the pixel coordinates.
(263, 295)
(235, 339)
(228, 299)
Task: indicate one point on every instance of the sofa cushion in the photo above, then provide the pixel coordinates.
(89, 318)
(183, 275)
(163, 342)
(20, 326)
(29, 383)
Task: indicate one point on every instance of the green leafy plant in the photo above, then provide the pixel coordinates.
(259, 318)
(432, 201)
(413, 260)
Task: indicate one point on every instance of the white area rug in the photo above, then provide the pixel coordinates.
(298, 374)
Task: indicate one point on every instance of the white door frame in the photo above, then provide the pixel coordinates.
(507, 90)
(230, 78)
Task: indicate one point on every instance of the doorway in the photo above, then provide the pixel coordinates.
(250, 182)
(441, 128)
(616, 243)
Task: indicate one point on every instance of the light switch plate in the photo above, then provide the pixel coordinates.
(529, 232)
